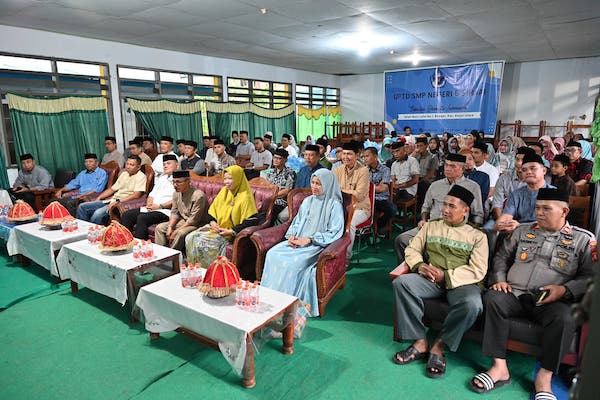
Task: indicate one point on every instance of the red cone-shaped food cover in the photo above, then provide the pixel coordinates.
(55, 214)
(21, 211)
(116, 237)
(221, 278)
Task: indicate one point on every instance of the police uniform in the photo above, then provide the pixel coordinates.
(529, 259)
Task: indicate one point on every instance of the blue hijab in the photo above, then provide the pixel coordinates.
(320, 207)
(586, 149)
(385, 155)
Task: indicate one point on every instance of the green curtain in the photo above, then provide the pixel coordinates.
(595, 133)
(178, 119)
(226, 117)
(313, 121)
(4, 184)
(59, 131)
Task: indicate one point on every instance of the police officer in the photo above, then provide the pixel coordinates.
(538, 272)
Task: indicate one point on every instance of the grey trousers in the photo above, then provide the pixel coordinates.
(409, 292)
(401, 242)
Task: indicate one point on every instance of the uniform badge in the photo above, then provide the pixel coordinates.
(530, 236)
(523, 256)
(594, 250)
(562, 263)
(562, 254)
(566, 241)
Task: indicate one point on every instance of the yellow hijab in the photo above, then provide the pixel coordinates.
(232, 207)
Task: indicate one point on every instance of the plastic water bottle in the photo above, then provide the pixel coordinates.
(184, 273)
(246, 297)
(90, 234)
(150, 250)
(3, 211)
(137, 251)
(255, 296)
(239, 294)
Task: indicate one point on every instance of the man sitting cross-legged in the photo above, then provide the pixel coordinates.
(158, 203)
(538, 273)
(448, 258)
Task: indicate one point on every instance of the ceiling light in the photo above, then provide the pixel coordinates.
(392, 52)
(263, 11)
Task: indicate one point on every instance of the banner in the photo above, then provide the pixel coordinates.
(455, 99)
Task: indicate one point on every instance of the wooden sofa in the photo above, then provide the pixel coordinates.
(241, 252)
(331, 264)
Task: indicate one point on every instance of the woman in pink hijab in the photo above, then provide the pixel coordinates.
(549, 149)
(559, 144)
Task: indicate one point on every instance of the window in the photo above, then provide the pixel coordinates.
(316, 97)
(265, 94)
(145, 83)
(42, 76)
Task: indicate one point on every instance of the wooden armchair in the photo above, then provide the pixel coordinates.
(44, 197)
(111, 168)
(332, 262)
(579, 215)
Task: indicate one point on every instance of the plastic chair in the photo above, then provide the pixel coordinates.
(367, 227)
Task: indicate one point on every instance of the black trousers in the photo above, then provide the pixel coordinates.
(555, 318)
(69, 203)
(27, 197)
(141, 221)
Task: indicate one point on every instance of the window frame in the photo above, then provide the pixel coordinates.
(270, 99)
(310, 99)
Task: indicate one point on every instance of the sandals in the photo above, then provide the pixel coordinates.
(436, 366)
(544, 396)
(408, 355)
(489, 384)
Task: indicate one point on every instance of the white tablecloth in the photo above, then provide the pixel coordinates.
(103, 272)
(38, 243)
(166, 306)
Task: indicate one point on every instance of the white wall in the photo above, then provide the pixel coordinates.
(362, 98)
(41, 43)
(533, 91)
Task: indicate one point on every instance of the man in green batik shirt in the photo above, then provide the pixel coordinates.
(448, 258)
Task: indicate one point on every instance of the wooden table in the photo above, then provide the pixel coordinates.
(167, 306)
(42, 244)
(113, 274)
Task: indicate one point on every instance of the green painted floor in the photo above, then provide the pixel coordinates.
(56, 345)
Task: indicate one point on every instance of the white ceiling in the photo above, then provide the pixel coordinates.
(323, 35)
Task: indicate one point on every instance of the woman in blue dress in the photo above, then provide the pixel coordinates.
(291, 266)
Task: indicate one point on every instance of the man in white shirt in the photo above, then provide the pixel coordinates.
(166, 147)
(479, 153)
(404, 173)
(259, 160)
(286, 141)
(158, 203)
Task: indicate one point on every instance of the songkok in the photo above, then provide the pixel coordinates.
(283, 153)
(169, 157)
(481, 146)
(322, 142)
(166, 139)
(134, 142)
(219, 141)
(312, 147)
(191, 143)
(397, 145)
(26, 156)
(525, 150)
(573, 143)
(181, 174)
(351, 146)
(529, 158)
(90, 155)
(180, 141)
(111, 138)
(421, 140)
(563, 159)
(461, 193)
(553, 194)
(456, 157)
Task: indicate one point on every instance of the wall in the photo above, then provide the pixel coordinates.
(545, 90)
(41, 43)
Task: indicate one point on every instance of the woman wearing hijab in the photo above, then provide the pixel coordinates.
(549, 150)
(291, 266)
(384, 153)
(453, 145)
(504, 158)
(231, 211)
(559, 145)
(438, 154)
(586, 149)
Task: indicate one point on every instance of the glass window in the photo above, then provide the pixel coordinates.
(264, 93)
(134, 73)
(65, 67)
(316, 97)
(173, 77)
(25, 64)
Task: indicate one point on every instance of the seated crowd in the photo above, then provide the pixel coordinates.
(461, 184)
